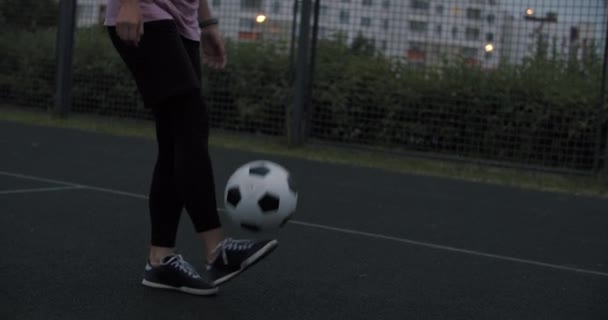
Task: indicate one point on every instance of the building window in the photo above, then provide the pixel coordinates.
(276, 7)
(419, 26)
(366, 21)
(248, 35)
(386, 4)
(438, 29)
(385, 24)
(324, 10)
(454, 32)
(416, 52)
(474, 14)
(246, 23)
(344, 17)
(367, 3)
(251, 4)
(384, 45)
(439, 9)
(216, 3)
(491, 18)
(490, 37)
(471, 34)
(420, 4)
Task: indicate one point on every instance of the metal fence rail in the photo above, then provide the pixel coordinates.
(519, 81)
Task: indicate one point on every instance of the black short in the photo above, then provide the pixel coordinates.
(165, 64)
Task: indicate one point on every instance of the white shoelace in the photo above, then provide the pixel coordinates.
(184, 266)
(233, 245)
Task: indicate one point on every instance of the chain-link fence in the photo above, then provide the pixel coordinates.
(253, 94)
(246, 97)
(516, 81)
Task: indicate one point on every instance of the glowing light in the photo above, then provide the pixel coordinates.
(489, 47)
(530, 12)
(260, 18)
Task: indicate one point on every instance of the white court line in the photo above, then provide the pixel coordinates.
(23, 176)
(19, 191)
(447, 248)
(349, 231)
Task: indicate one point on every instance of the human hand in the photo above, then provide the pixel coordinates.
(212, 45)
(129, 22)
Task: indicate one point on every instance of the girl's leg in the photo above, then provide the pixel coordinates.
(192, 167)
(212, 237)
(165, 205)
(163, 72)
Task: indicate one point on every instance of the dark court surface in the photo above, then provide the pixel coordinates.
(365, 243)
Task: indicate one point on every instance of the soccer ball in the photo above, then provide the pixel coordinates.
(260, 196)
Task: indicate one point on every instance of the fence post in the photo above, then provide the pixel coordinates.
(64, 57)
(312, 69)
(296, 120)
(601, 114)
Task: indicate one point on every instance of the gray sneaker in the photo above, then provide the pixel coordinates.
(174, 273)
(231, 257)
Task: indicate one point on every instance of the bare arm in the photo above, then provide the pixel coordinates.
(204, 12)
(214, 53)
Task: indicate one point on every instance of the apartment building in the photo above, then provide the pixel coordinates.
(248, 20)
(438, 31)
(420, 31)
(425, 32)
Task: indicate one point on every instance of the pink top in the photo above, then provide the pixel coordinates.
(183, 12)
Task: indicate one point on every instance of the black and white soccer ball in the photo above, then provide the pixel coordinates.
(260, 196)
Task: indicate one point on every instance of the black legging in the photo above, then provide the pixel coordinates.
(183, 175)
(167, 70)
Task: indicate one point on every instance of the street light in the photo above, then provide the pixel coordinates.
(529, 12)
(550, 17)
(489, 47)
(260, 18)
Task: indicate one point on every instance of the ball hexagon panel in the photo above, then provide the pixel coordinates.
(259, 170)
(268, 203)
(233, 196)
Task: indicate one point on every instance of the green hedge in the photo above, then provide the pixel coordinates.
(541, 113)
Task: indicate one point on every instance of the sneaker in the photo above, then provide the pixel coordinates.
(175, 273)
(231, 257)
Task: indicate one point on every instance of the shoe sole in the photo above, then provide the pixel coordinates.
(255, 258)
(194, 291)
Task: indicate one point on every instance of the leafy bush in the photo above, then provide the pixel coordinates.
(543, 112)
